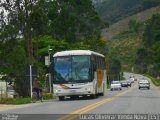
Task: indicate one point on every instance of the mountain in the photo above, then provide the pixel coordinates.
(112, 11)
(114, 29)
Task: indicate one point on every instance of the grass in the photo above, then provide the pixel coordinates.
(27, 100)
(15, 101)
(155, 81)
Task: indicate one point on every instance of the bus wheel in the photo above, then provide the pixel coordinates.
(74, 97)
(61, 98)
(101, 94)
(94, 96)
(85, 96)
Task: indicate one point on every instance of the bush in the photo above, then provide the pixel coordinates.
(47, 96)
(4, 100)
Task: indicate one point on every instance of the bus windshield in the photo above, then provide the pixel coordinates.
(72, 69)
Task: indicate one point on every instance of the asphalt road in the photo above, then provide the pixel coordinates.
(130, 100)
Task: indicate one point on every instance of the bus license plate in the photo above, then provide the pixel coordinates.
(72, 90)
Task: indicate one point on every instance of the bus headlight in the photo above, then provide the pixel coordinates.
(57, 91)
(87, 89)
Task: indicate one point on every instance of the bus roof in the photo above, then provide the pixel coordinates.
(77, 52)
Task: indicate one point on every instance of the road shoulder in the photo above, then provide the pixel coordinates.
(6, 107)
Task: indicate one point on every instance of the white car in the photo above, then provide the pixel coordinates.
(116, 85)
(132, 79)
(144, 84)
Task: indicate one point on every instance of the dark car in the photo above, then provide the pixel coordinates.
(124, 83)
(129, 83)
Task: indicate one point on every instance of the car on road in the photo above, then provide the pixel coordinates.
(129, 83)
(144, 84)
(124, 83)
(131, 79)
(116, 85)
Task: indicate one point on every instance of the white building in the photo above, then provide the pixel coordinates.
(2, 88)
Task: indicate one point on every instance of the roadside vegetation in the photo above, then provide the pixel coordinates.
(148, 56)
(155, 81)
(15, 101)
(24, 100)
(48, 96)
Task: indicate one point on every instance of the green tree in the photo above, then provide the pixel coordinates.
(75, 20)
(114, 69)
(13, 64)
(31, 26)
(151, 34)
(141, 60)
(151, 38)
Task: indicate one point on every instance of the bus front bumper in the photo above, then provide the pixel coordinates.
(69, 92)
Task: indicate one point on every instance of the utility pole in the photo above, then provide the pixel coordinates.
(30, 53)
(49, 63)
(28, 37)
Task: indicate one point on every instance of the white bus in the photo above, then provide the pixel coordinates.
(78, 73)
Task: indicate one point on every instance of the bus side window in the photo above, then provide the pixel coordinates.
(100, 60)
(94, 64)
(97, 62)
(94, 67)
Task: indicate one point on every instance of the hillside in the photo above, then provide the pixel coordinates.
(112, 11)
(125, 50)
(121, 25)
(124, 44)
